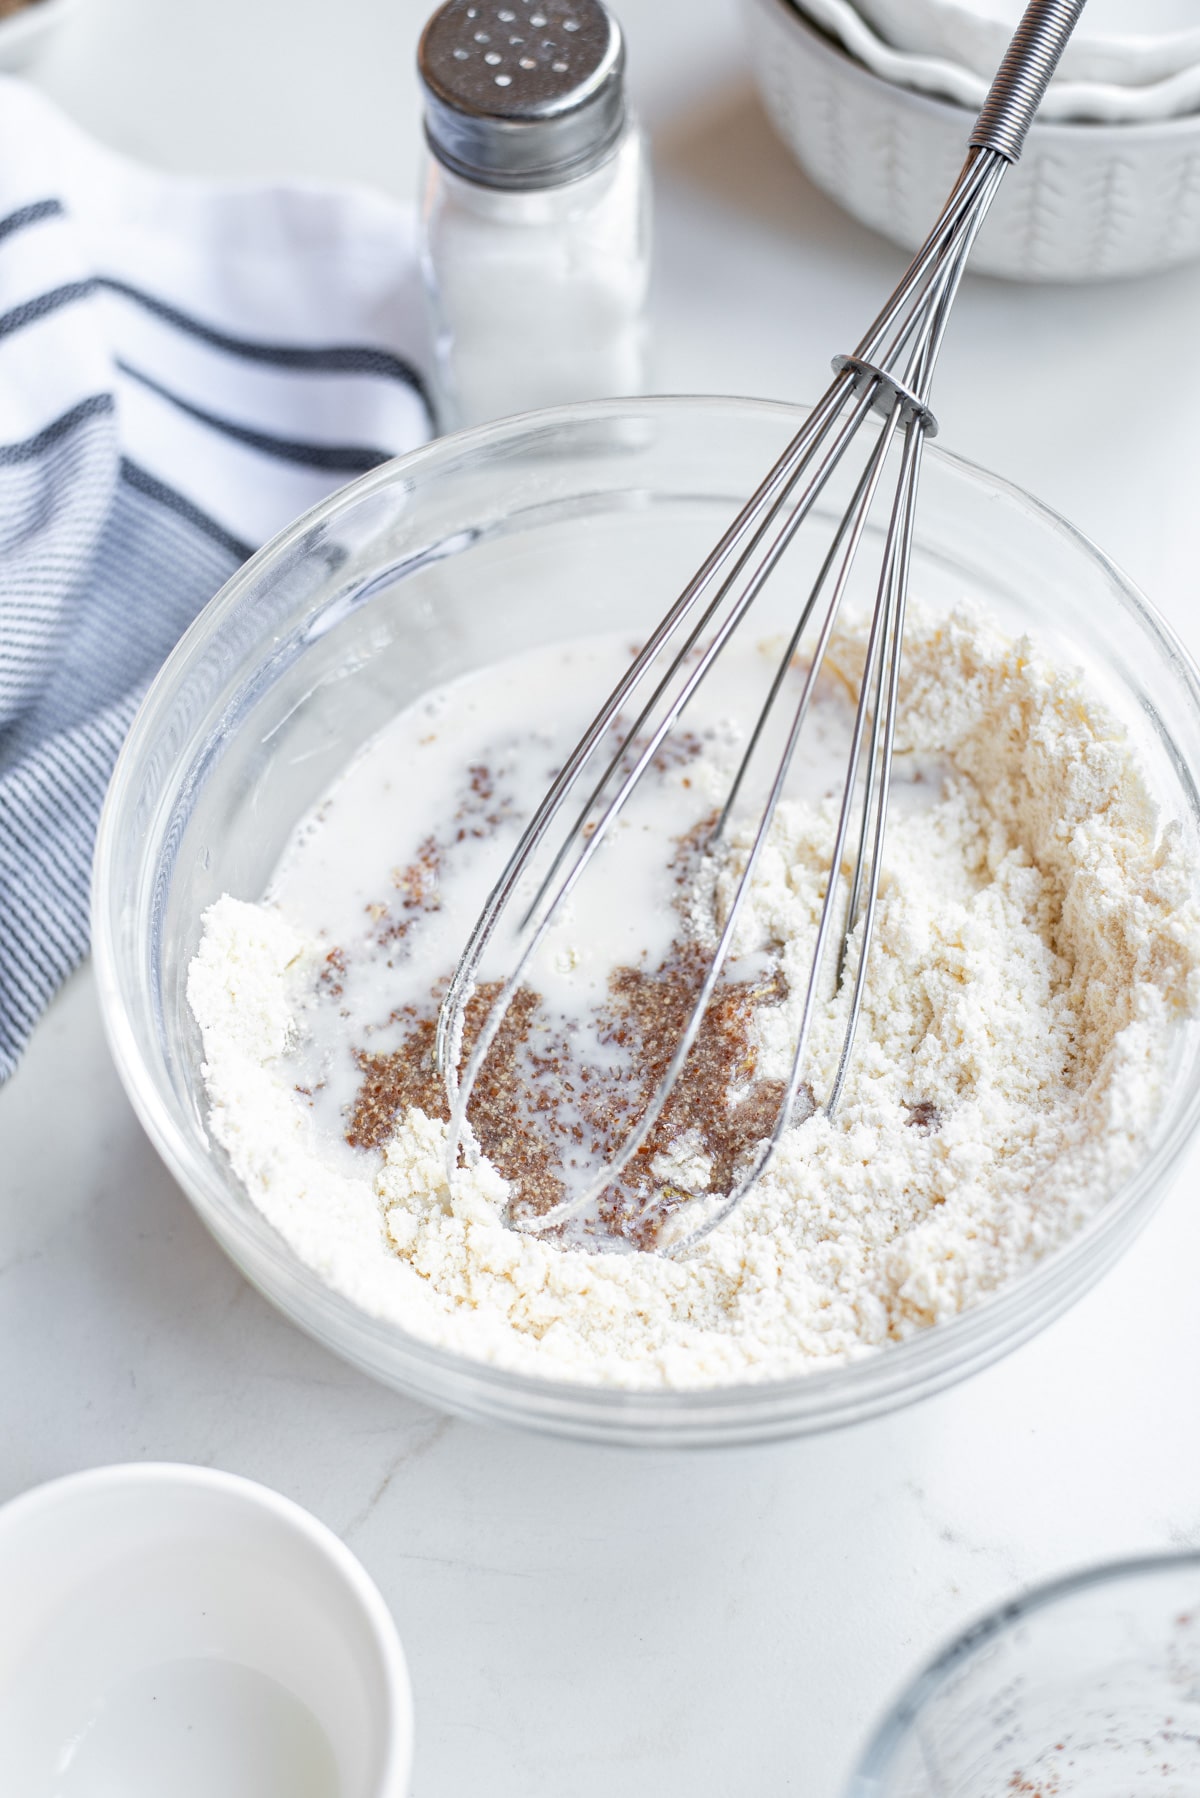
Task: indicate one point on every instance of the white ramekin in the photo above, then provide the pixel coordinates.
(174, 1629)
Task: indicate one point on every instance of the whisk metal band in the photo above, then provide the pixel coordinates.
(889, 392)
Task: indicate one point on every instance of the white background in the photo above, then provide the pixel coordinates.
(580, 1621)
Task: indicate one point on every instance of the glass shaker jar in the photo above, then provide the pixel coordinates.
(535, 219)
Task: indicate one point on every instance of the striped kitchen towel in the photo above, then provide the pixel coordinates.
(183, 368)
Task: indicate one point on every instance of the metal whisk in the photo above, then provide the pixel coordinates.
(890, 373)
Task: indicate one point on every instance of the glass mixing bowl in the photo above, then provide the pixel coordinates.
(1085, 1688)
(542, 527)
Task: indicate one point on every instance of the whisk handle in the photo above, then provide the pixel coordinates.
(1024, 76)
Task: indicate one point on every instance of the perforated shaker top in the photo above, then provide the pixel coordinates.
(523, 93)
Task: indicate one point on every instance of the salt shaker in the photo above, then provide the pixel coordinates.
(535, 220)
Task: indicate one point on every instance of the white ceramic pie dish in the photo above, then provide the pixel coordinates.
(932, 68)
(1126, 42)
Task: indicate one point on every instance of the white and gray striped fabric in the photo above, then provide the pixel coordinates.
(183, 369)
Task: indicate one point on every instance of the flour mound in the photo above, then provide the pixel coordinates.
(1037, 950)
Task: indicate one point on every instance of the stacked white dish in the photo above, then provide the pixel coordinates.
(1127, 43)
(1127, 59)
(876, 99)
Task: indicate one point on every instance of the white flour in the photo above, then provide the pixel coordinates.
(1036, 948)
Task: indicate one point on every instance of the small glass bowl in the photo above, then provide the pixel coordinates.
(1086, 1688)
(554, 524)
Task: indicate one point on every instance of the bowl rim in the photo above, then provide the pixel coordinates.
(1044, 133)
(996, 1622)
(892, 1377)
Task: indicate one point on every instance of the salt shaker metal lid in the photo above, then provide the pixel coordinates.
(523, 93)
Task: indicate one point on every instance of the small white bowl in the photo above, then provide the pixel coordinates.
(1085, 203)
(172, 1630)
(23, 34)
(1130, 42)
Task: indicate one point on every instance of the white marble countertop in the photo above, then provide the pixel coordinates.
(580, 1620)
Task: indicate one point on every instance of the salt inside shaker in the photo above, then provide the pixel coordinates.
(535, 218)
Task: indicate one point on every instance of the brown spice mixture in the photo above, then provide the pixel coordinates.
(718, 1094)
(539, 1102)
(392, 1083)
(331, 980)
(483, 807)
